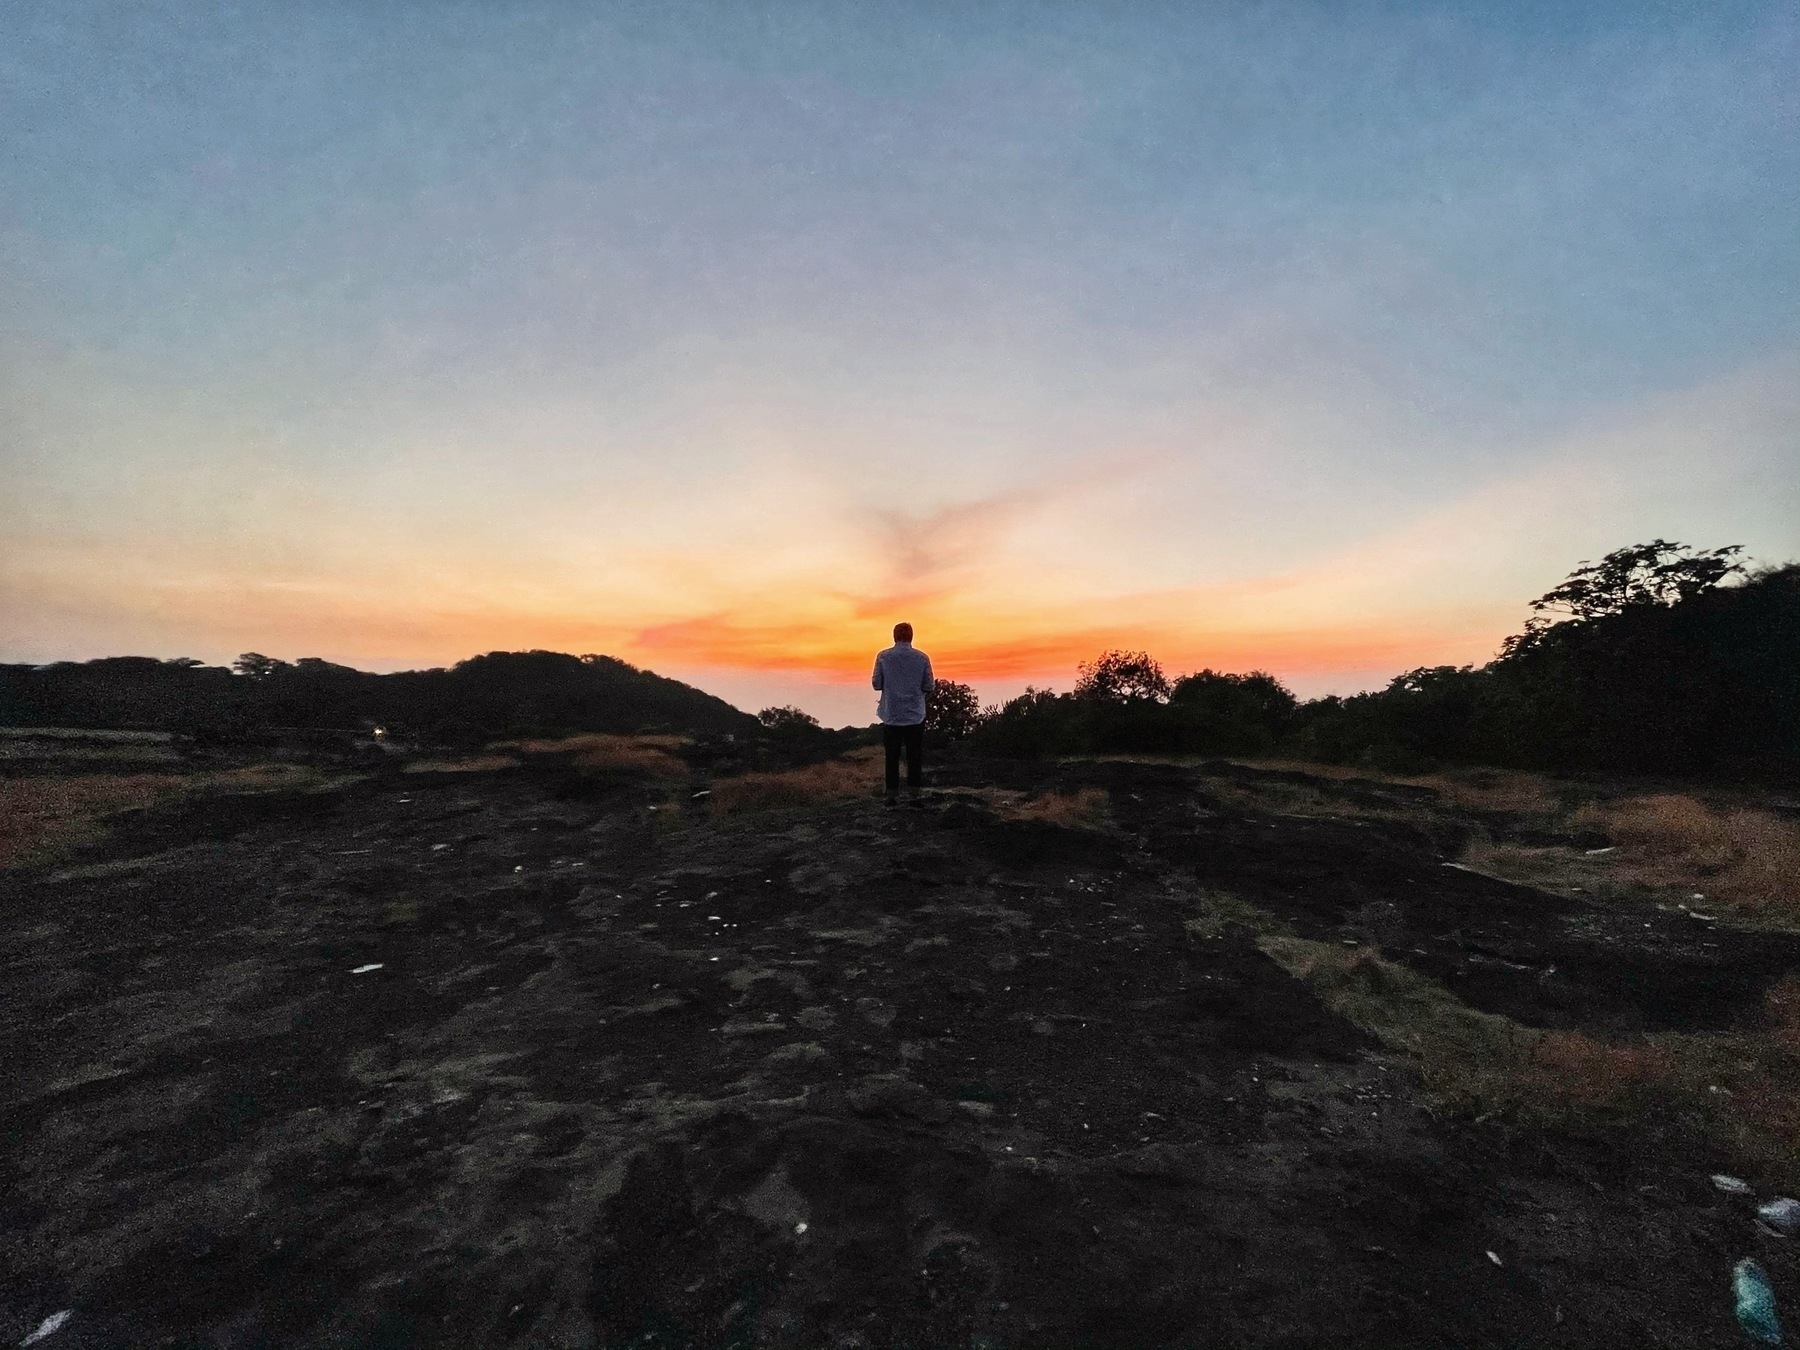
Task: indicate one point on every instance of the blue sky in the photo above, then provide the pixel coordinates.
(1312, 337)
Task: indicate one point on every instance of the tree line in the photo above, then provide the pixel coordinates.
(500, 693)
(1659, 659)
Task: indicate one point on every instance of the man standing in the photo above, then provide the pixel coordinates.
(903, 675)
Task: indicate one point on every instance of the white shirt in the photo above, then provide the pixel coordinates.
(903, 675)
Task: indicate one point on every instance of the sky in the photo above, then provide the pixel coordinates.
(1311, 338)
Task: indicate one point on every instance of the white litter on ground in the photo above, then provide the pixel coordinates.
(49, 1326)
(1494, 1257)
(364, 970)
(1730, 1185)
(1781, 1216)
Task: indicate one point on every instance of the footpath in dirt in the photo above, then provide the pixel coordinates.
(514, 1059)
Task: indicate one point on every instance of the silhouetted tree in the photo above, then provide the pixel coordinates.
(257, 666)
(1657, 573)
(787, 719)
(1257, 697)
(952, 709)
(1120, 676)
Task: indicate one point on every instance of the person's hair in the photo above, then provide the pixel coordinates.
(903, 632)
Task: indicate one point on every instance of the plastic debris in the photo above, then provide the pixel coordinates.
(1459, 867)
(703, 792)
(1495, 1258)
(800, 1227)
(49, 1326)
(1780, 1216)
(1755, 1303)
(364, 970)
(1730, 1185)
(1598, 852)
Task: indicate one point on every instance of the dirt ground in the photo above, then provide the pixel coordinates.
(533, 1056)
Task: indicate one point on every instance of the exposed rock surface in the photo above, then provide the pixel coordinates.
(850, 1077)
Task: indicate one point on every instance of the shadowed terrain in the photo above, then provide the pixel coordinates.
(1044, 1062)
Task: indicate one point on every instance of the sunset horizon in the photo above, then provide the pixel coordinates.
(720, 339)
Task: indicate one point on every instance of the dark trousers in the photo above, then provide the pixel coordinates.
(910, 739)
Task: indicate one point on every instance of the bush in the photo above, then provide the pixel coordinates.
(952, 709)
(1121, 677)
(787, 719)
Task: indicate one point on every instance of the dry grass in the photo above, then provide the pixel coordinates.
(834, 780)
(1739, 856)
(43, 818)
(469, 764)
(1547, 867)
(1741, 1089)
(1497, 790)
(601, 751)
(1466, 1057)
(1479, 1061)
(1218, 912)
(1084, 807)
(1668, 847)
(1317, 801)
(1568, 1071)
(1471, 789)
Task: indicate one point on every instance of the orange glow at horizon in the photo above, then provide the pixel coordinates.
(981, 652)
(792, 574)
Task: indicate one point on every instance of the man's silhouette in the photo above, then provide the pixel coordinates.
(903, 675)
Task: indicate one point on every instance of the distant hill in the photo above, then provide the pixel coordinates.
(532, 692)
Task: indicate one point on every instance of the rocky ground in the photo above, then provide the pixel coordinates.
(514, 1059)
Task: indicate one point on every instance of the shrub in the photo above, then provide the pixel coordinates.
(1120, 676)
(787, 719)
(952, 709)
(812, 785)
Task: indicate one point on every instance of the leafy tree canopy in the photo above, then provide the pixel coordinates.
(786, 719)
(952, 709)
(1118, 676)
(257, 666)
(1656, 574)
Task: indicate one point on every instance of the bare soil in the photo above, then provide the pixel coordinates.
(839, 1077)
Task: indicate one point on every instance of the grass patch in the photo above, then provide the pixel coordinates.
(1476, 789)
(467, 764)
(848, 776)
(1739, 1090)
(653, 755)
(1085, 807)
(43, 818)
(1468, 1059)
(1739, 856)
(1668, 848)
(1221, 911)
